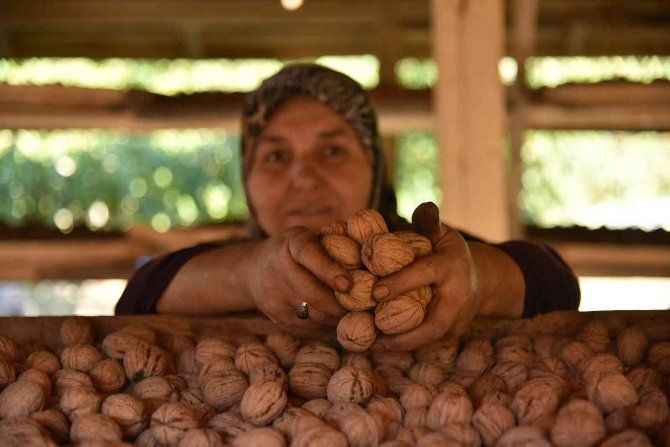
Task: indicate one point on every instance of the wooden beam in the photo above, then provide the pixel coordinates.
(608, 93)
(470, 115)
(552, 117)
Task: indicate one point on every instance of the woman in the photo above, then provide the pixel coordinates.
(311, 155)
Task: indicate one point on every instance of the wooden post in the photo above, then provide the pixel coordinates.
(468, 42)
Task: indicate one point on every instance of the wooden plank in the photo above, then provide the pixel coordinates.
(544, 116)
(609, 93)
(470, 116)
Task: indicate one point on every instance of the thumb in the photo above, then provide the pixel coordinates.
(426, 221)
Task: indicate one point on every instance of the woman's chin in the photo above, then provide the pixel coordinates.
(313, 222)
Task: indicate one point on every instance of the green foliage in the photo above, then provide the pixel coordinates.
(164, 178)
(417, 171)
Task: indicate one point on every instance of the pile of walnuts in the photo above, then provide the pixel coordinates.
(607, 385)
(364, 246)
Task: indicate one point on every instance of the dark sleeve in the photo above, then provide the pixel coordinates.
(147, 285)
(550, 282)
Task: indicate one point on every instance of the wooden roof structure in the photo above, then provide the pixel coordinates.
(451, 31)
(262, 28)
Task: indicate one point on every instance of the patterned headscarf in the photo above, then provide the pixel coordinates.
(336, 90)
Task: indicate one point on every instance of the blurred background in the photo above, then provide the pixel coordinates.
(119, 131)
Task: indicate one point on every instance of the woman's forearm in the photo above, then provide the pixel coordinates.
(214, 282)
(501, 284)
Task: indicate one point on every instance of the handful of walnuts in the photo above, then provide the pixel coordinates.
(364, 245)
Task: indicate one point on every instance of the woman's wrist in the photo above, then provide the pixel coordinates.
(501, 286)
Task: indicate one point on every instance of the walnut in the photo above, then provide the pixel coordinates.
(7, 372)
(514, 348)
(321, 353)
(652, 410)
(178, 343)
(632, 345)
(427, 374)
(537, 399)
(117, 343)
(578, 423)
(497, 397)
(55, 422)
(69, 378)
(462, 435)
(485, 384)
(80, 357)
(644, 377)
(543, 345)
(285, 347)
(476, 356)
(194, 398)
(452, 405)
(23, 431)
(441, 353)
(402, 360)
(388, 407)
(575, 353)
(550, 366)
(76, 331)
(359, 297)
(628, 438)
(210, 349)
(144, 360)
(523, 436)
(435, 439)
(229, 423)
(44, 361)
(222, 391)
(398, 315)
(285, 421)
(350, 384)
(416, 417)
(659, 357)
(260, 436)
(596, 335)
(253, 355)
(617, 421)
(600, 365)
(216, 368)
(108, 376)
(201, 437)
(318, 407)
(39, 377)
(356, 359)
(423, 295)
(309, 380)
(420, 244)
(155, 388)
(337, 227)
(463, 378)
(128, 411)
(358, 426)
(141, 332)
(612, 392)
(79, 401)
(171, 422)
(9, 350)
(342, 249)
(356, 331)
(95, 427)
(320, 436)
(21, 398)
(416, 396)
(384, 254)
(262, 402)
(147, 439)
(365, 224)
(270, 371)
(513, 374)
(492, 420)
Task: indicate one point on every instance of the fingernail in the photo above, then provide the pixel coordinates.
(342, 283)
(380, 292)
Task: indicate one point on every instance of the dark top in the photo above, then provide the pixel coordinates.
(550, 282)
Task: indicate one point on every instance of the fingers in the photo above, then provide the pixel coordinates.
(426, 220)
(323, 307)
(422, 272)
(306, 250)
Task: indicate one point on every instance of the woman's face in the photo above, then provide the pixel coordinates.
(309, 168)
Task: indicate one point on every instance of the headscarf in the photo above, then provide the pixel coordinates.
(339, 92)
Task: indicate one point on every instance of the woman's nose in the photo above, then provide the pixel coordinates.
(305, 175)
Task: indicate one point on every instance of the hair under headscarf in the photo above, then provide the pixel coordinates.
(339, 92)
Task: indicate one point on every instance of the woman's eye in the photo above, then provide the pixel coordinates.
(276, 156)
(335, 151)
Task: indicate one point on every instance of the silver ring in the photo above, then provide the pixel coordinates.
(302, 310)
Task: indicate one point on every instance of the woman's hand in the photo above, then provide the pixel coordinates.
(450, 271)
(293, 268)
